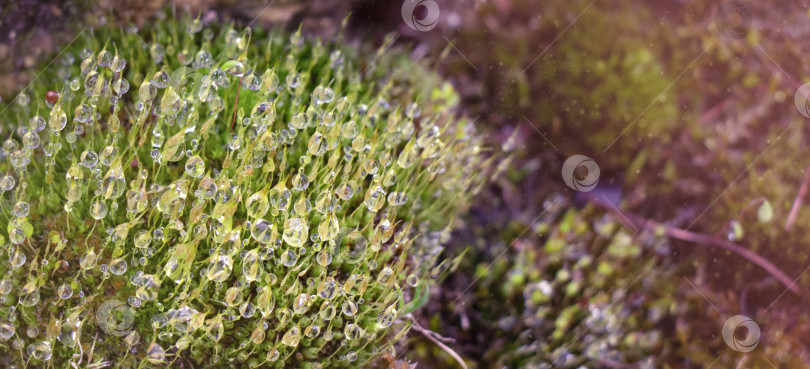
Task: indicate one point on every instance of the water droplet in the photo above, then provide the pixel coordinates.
(147, 92)
(21, 209)
(88, 261)
(251, 266)
(195, 166)
(346, 190)
(118, 63)
(262, 231)
(194, 26)
(296, 232)
(155, 354)
(289, 258)
(327, 289)
(171, 103)
(57, 120)
(98, 209)
(300, 304)
(386, 318)
(292, 337)
(386, 273)
(257, 204)
(89, 159)
(352, 331)
(132, 338)
(349, 308)
(234, 296)
(214, 329)
(329, 228)
(273, 354)
(324, 258)
(23, 99)
(5, 286)
(293, 80)
(118, 266)
(160, 80)
(173, 200)
(142, 238)
(317, 144)
(234, 68)
(64, 291)
(375, 198)
(121, 86)
(31, 140)
(43, 351)
(412, 280)
(312, 330)
(220, 267)
(29, 295)
(6, 331)
(148, 289)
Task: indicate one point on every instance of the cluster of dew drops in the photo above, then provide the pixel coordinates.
(261, 209)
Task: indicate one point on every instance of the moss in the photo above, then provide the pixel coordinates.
(725, 140)
(577, 305)
(223, 197)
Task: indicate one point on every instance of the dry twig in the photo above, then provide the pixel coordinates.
(797, 204)
(634, 221)
(438, 341)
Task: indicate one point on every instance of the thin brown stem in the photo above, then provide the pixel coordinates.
(634, 221)
(797, 204)
(433, 337)
(236, 103)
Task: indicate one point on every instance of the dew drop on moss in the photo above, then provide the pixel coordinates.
(386, 317)
(132, 338)
(118, 266)
(5, 286)
(292, 337)
(17, 258)
(257, 204)
(195, 166)
(273, 354)
(147, 92)
(219, 268)
(98, 209)
(88, 261)
(148, 288)
(64, 291)
(262, 231)
(251, 266)
(397, 198)
(352, 332)
(43, 351)
(234, 68)
(289, 258)
(296, 232)
(155, 354)
(327, 289)
(29, 295)
(143, 238)
(6, 331)
(160, 80)
(349, 308)
(412, 280)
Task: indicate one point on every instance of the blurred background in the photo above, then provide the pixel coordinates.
(652, 212)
